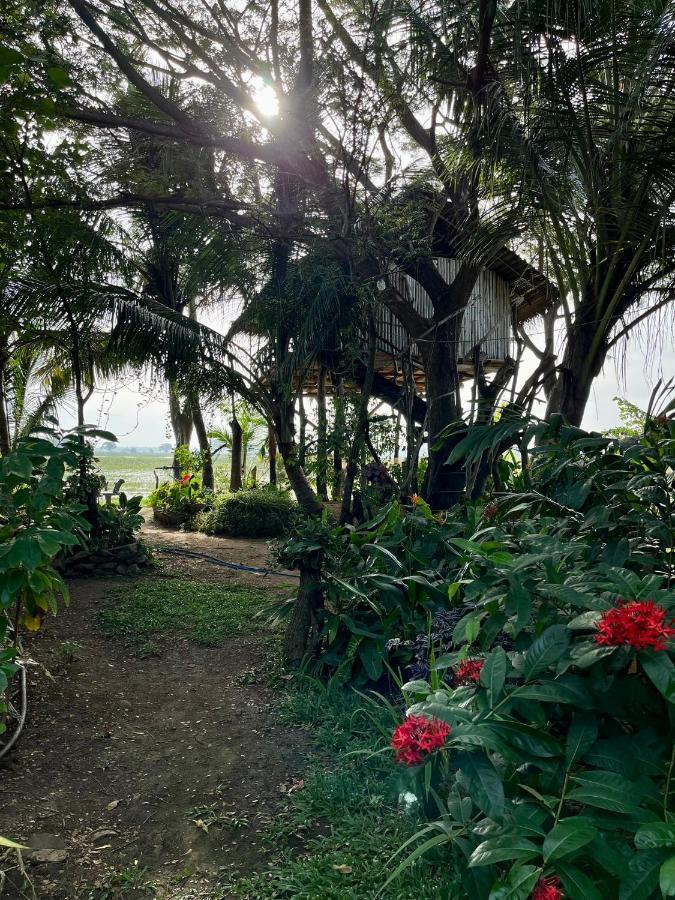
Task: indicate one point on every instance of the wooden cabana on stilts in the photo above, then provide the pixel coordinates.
(507, 292)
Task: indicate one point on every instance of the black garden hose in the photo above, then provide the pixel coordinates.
(22, 713)
(219, 562)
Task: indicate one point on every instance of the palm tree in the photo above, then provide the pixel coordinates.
(583, 113)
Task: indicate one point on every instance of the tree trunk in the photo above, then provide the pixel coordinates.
(577, 370)
(301, 629)
(5, 436)
(236, 460)
(285, 429)
(360, 427)
(181, 423)
(272, 453)
(204, 445)
(321, 437)
(445, 484)
(302, 448)
(338, 437)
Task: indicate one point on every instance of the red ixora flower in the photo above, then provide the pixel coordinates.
(185, 478)
(548, 889)
(469, 671)
(416, 737)
(637, 623)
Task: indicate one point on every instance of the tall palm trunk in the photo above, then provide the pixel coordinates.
(236, 461)
(272, 454)
(361, 426)
(5, 436)
(321, 437)
(204, 445)
(579, 366)
(338, 437)
(444, 483)
(285, 428)
(181, 422)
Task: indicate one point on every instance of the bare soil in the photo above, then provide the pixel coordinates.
(158, 771)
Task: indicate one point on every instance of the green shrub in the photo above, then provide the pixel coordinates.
(183, 496)
(259, 512)
(557, 776)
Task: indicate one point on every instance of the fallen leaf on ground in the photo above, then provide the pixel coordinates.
(343, 870)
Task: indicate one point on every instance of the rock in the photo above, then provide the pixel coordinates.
(43, 841)
(49, 856)
(46, 848)
(102, 835)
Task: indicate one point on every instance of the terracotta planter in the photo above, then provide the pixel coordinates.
(175, 519)
(169, 519)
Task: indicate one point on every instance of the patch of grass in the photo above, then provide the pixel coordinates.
(205, 612)
(123, 884)
(346, 814)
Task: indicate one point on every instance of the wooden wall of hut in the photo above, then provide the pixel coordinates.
(487, 320)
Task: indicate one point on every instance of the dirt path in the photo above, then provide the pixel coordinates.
(249, 551)
(157, 771)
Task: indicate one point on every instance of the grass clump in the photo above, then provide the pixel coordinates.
(346, 814)
(206, 613)
(255, 512)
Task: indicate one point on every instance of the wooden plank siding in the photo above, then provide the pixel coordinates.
(487, 320)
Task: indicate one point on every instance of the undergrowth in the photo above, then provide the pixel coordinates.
(205, 612)
(345, 815)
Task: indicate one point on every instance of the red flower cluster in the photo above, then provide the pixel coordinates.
(490, 511)
(469, 671)
(639, 624)
(186, 478)
(416, 737)
(548, 889)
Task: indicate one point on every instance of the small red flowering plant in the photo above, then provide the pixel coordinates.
(468, 671)
(548, 889)
(642, 625)
(417, 738)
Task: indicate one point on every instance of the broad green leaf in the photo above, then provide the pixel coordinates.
(577, 885)
(518, 603)
(371, 657)
(5, 842)
(493, 674)
(607, 790)
(667, 877)
(482, 782)
(416, 687)
(527, 737)
(655, 834)
(552, 692)
(643, 876)
(545, 651)
(581, 736)
(660, 670)
(58, 76)
(517, 885)
(567, 836)
(500, 849)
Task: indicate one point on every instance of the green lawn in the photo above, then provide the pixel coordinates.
(137, 470)
(345, 816)
(207, 613)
